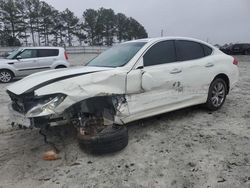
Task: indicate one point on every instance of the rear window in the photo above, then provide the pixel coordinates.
(188, 50)
(207, 50)
(48, 52)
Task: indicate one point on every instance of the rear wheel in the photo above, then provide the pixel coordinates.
(6, 76)
(217, 94)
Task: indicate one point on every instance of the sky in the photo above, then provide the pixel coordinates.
(215, 21)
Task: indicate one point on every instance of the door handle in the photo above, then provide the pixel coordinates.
(176, 71)
(209, 65)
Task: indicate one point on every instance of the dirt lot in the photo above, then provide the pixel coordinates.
(185, 148)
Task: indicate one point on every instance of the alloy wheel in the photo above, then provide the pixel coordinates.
(218, 94)
(5, 76)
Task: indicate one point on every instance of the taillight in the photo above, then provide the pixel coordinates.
(235, 62)
(66, 55)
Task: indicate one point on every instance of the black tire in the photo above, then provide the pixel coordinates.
(111, 139)
(60, 67)
(6, 76)
(221, 97)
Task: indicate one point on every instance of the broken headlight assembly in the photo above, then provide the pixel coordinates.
(46, 105)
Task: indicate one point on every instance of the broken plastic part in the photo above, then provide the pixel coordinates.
(51, 155)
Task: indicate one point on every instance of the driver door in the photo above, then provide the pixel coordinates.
(158, 80)
(27, 62)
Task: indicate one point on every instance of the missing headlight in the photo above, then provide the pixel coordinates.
(47, 104)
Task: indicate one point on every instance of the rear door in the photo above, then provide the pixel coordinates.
(46, 57)
(198, 68)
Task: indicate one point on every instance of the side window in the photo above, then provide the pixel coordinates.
(188, 50)
(28, 53)
(160, 53)
(48, 52)
(236, 47)
(207, 50)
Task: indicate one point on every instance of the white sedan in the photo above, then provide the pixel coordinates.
(130, 81)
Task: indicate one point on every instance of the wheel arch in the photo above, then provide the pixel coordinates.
(96, 104)
(225, 78)
(8, 70)
(60, 66)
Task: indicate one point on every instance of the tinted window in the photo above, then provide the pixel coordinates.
(188, 50)
(160, 53)
(207, 50)
(28, 53)
(48, 52)
(236, 46)
(246, 45)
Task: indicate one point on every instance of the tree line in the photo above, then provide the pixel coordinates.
(35, 22)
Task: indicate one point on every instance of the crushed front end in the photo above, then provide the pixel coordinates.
(28, 110)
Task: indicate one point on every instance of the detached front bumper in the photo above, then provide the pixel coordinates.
(20, 119)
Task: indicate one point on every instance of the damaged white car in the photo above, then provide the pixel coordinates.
(128, 82)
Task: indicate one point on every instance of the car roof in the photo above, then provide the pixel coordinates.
(242, 44)
(41, 47)
(167, 38)
(158, 39)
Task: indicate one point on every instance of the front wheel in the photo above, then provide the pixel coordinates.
(110, 139)
(5, 76)
(217, 94)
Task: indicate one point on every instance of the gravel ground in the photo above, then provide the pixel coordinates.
(186, 148)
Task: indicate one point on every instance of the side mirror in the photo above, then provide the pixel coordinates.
(140, 67)
(139, 64)
(19, 57)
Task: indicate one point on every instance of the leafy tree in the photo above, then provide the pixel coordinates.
(7, 39)
(106, 26)
(121, 27)
(41, 23)
(135, 30)
(12, 18)
(46, 21)
(24, 22)
(31, 18)
(70, 23)
(36, 13)
(90, 21)
(57, 30)
(80, 33)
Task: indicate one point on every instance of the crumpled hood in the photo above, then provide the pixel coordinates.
(37, 80)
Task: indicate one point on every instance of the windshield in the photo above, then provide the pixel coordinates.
(117, 56)
(13, 54)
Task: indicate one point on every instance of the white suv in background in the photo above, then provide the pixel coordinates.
(27, 60)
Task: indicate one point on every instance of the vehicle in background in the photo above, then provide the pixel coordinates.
(28, 60)
(128, 82)
(237, 49)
